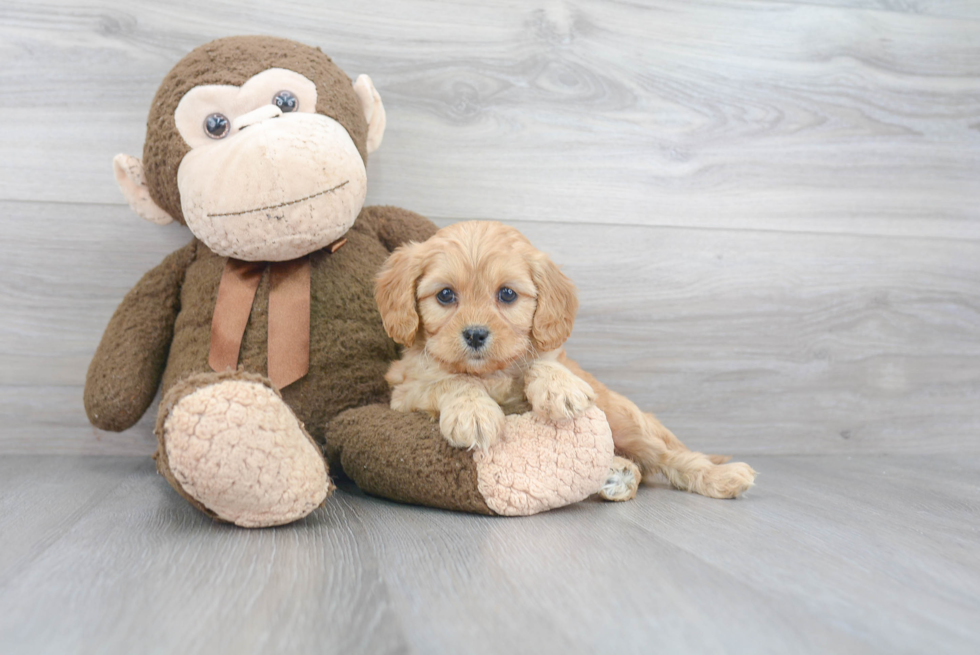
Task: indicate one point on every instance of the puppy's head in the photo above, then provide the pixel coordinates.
(478, 294)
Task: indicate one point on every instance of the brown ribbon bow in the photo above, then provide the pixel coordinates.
(289, 316)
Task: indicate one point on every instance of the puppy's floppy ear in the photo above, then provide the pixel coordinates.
(557, 304)
(394, 292)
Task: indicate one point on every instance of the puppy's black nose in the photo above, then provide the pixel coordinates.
(475, 336)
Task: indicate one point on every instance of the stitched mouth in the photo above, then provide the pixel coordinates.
(282, 204)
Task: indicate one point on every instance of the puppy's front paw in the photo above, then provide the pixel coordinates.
(475, 423)
(560, 397)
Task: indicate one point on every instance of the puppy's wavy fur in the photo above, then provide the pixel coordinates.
(471, 383)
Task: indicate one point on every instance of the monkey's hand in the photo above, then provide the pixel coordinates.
(555, 392)
(128, 364)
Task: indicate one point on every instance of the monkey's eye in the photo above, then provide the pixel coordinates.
(286, 101)
(506, 295)
(446, 296)
(217, 126)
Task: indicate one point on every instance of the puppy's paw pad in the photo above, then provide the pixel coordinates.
(623, 481)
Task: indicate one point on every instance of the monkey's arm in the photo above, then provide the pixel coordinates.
(128, 364)
(397, 226)
(538, 465)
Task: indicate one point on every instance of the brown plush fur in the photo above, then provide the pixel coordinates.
(467, 387)
(232, 61)
(404, 458)
(161, 331)
(387, 453)
(160, 335)
(124, 375)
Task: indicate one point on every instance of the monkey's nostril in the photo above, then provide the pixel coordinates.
(476, 336)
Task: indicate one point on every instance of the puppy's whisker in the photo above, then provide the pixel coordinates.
(426, 355)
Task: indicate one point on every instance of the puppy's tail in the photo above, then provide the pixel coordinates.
(655, 448)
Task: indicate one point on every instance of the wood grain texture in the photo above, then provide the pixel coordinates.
(741, 340)
(944, 8)
(730, 114)
(842, 555)
(143, 581)
(770, 208)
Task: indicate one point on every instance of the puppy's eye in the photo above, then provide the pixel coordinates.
(446, 296)
(506, 295)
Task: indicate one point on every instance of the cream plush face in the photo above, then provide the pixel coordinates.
(266, 184)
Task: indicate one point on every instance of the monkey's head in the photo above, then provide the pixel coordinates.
(258, 145)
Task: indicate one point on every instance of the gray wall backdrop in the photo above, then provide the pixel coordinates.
(771, 208)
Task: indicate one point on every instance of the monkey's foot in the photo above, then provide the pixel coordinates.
(235, 450)
(540, 464)
(623, 481)
(535, 465)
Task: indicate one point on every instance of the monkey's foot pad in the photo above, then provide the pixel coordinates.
(539, 464)
(236, 448)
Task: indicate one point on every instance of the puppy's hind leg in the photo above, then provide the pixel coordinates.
(622, 482)
(645, 439)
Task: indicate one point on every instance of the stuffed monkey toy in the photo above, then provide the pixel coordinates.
(263, 330)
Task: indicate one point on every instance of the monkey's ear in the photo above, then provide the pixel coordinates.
(132, 183)
(374, 111)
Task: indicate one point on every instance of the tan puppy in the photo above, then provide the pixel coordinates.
(483, 316)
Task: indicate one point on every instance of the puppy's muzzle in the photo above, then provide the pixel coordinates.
(476, 336)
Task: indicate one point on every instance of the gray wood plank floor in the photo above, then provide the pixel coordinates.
(863, 554)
